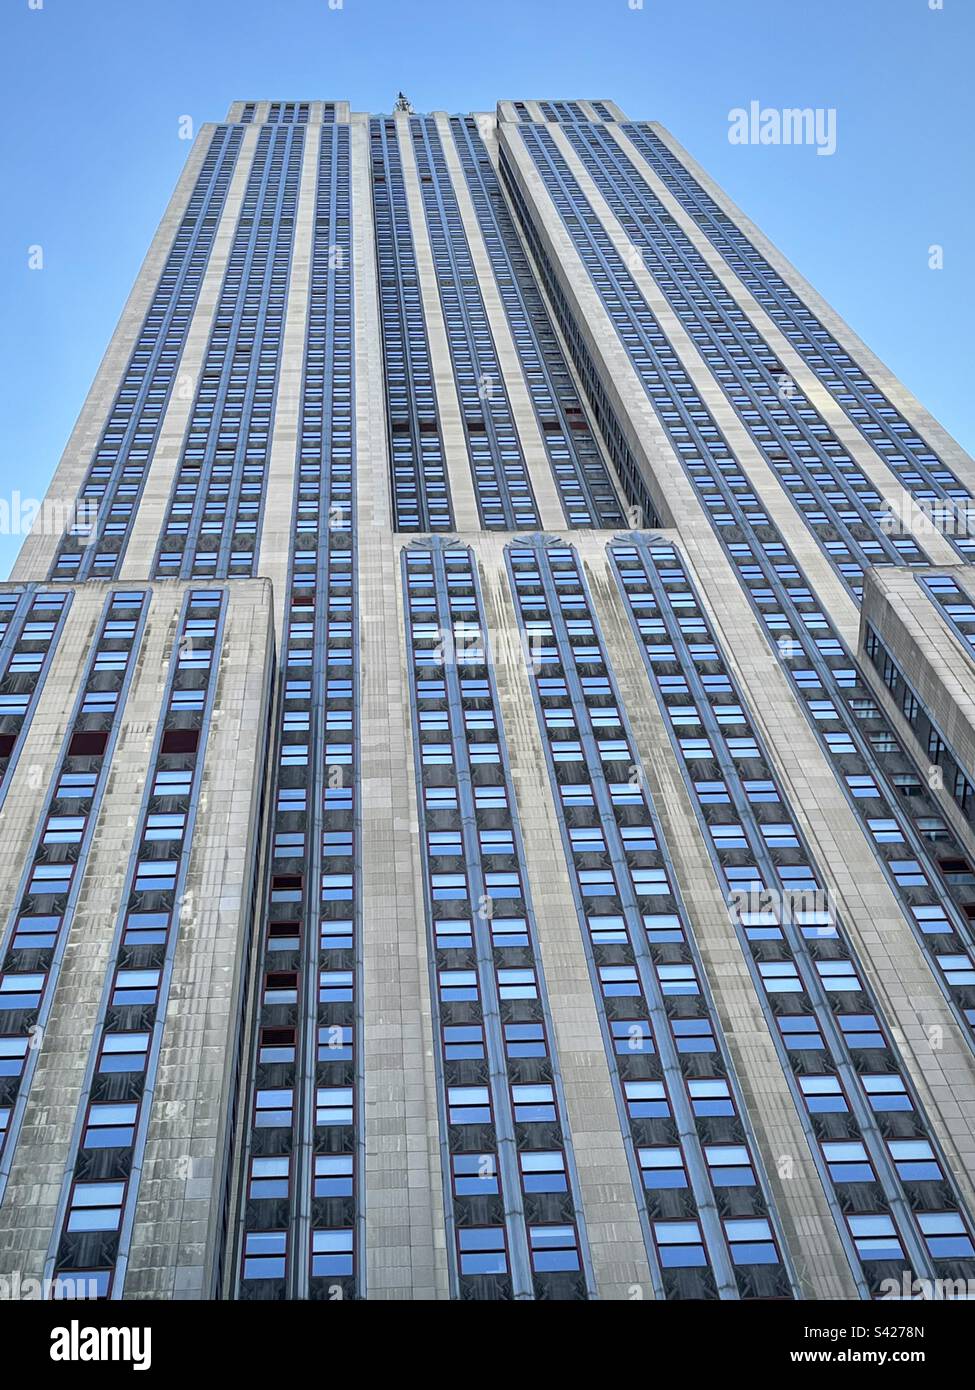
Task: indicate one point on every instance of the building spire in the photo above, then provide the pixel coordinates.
(403, 103)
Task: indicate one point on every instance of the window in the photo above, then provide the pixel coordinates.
(335, 1043)
(331, 1253)
(96, 1206)
(146, 928)
(283, 936)
(838, 976)
(662, 1167)
(533, 1104)
(553, 1248)
(800, 1033)
(517, 984)
(886, 1091)
(265, 1254)
(751, 1242)
(454, 932)
(631, 1035)
(619, 981)
(823, 1095)
(861, 1030)
(680, 1244)
(543, 1171)
(334, 986)
(81, 1283)
(135, 987)
(509, 931)
(915, 1160)
(945, 1235)
(458, 985)
(730, 1165)
(52, 879)
(123, 1052)
(525, 1040)
(863, 787)
(172, 783)
(482, 1250)
(13, 1052)
(646, 1100)
(958, 970)
(333, 1175)
(281, 987)
(463, 1041)
(273, 1108)
(165, 827)
(21, 991)
(780, 977)
(110, 1126)
(885, 831)
(468, 1105)
(63, 830)
(269, 1177)
(475, 1175)
(693, 1035)
(35, 933)
(908, 872)
(848, 1162)
(333, 1105)
(677, 979)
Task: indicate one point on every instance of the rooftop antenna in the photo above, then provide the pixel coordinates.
(404, 104)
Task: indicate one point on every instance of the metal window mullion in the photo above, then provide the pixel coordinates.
(298, 525)
(690, 1140)
(47, 660)
(536, 954)
(718, 237)
(57, 957)
(804, 1120)
(904, 823)
(475, 361)
(416, 438)
(118, 468)
(156, 1028)
(615, 1080)
(294, 137)
(253, 366)
(342, 165)
(205, 465)
(521, 1270)
(300, 1265)
(406, 348)
(15, 623)
(647, 211)
(490, 218)
(306, 1077)
(159, 1020)
(591, 395)
(809, 975)
(967, 644)
(804, 639)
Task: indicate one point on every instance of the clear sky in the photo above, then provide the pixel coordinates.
(94, 92)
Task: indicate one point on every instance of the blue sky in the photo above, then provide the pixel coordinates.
(95, 90)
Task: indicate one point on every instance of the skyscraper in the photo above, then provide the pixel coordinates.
(487, 750)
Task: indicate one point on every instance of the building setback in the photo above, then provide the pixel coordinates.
(487, 771)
